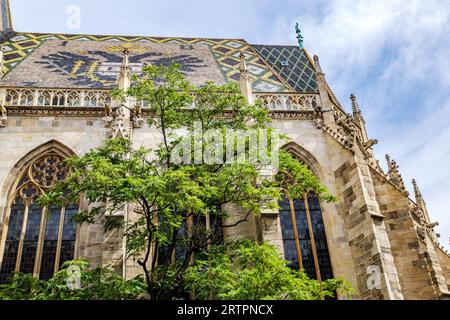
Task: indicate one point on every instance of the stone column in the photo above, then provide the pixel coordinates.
(268, 224)
(369, 243)
(118, 119)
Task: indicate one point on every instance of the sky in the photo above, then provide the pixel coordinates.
(394, 55)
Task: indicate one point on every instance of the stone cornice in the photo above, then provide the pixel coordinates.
(55, 111)
(292, 114)
(99, 112)
(338, 137)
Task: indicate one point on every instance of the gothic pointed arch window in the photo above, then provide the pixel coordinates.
(37, 240)
(304, 237)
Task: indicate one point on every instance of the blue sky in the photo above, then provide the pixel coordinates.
(393, 54)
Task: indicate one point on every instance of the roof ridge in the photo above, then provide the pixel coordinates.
(275, 45)
(124, 36)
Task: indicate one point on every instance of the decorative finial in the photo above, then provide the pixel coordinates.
(244, 80)
(243, 67)
(299, 36)
(417, 193)
(243, 63)
(318, 66)
(126, 57)
(355, 107)
(394, 175)
(125, 71)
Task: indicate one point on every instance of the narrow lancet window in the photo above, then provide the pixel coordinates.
(315, 258)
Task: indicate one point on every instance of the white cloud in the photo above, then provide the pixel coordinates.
(395, 55)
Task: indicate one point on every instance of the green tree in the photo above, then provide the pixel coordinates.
(178, 206)
(88, 284)
(245, 270)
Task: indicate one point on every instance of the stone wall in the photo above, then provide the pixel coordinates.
(409, 255)
(24, 136)
(369, 225)
(366, 231)
(445, 263)
(435, 269)
(322, 153)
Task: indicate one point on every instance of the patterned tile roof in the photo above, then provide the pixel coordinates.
(91, 64)
(293, 64)
(272, 68)
(18, 50)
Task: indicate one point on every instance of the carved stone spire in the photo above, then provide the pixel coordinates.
(125, 71)
(243, 66)
(361, 123)
(355, 107)
(6, 27)
(244, 80)
(420, 200)
(119, 119)
(326, 112)
(417, 193)
(394, 175)
(318, 66)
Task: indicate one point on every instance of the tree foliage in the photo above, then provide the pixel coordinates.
(172, 203)
(249, 271)
(94, 284)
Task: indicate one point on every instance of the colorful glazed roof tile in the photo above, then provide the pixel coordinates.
(293, 64)
(90, 64)
(93, 61)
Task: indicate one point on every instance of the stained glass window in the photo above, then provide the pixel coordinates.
(50, 244)
(304, 235)
(69, 235)
(37, 240)
(12, 240)
(30, 242)
(200, 228)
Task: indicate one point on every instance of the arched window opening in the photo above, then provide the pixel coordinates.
(59, 99)
(37, 240)
(310, 236)
(208, 230)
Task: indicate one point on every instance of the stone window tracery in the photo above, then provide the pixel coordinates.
(315, 258)
(37, 240)
(73, 99)
(307, 247)
(12, 97)
(59, 98)
(26, 98)
(90, 99)
(44, 98)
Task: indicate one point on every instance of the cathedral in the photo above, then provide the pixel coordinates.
(55, 103)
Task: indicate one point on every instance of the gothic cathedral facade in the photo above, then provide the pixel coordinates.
(55, 103)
